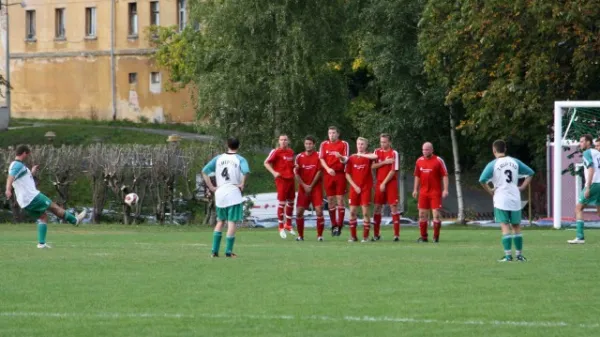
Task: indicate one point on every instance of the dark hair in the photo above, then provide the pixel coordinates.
(311, 138)
(386, 135)
(23, 149)
(233, 143)
(588, 137)
(500, 146)
(333, 127)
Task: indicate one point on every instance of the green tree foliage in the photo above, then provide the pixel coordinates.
(507, 61)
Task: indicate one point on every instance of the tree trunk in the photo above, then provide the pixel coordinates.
(455, 153)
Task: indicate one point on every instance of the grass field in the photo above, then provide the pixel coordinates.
(160, 281)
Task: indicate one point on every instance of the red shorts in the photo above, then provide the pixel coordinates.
(389, 196)
(362, 199)
(430, 201)
(315, 197)
(334, 185)
(286, 189)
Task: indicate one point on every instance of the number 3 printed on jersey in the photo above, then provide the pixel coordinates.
(225, 174)
(509, 176)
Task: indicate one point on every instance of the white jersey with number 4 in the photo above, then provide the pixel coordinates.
(591, 158)
(504, 173)
(229, 169)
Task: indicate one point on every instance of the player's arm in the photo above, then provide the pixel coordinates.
(211, 167)
(322, 155)
(268, 165)
(316, 179)
(245, 168)
(396, 166)
(445, 181)
(486, 177)
(417, 175)
(371, 156)
(525, 170)
(589, 172)
(9, 182)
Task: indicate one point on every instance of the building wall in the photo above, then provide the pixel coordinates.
(71, 78)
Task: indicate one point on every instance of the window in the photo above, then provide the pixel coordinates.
(90, 21)
(59, 22)
(155, 77)
(154, 13)
(132, 78)
(181, 19)
(30, 24)
(133, 19)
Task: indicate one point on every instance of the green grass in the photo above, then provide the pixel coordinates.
(135, 281)
(122, 122)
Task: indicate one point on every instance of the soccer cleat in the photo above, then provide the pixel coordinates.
(339, 231)
(376, 238)
(43, 245)
(299, 238)
(320, 238)
(353, 240)
(80, 217)
(507, 258)
(396, 239)
(230, 255)
(421, 240)
(576, 241)
(436, 240)
(521, 258)
(335, 231)
(214, 255)
(282, 233)
(365, 240)
(291, 231)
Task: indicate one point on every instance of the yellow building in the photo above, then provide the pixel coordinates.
(90, 59)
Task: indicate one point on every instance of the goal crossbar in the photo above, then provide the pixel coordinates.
(557, 158)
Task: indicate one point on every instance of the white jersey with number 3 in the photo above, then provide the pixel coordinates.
(229, 169)
(504, 173)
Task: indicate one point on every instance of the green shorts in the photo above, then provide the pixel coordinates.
(594, 199)
(507, 217)
(38, 206)
(233, 213)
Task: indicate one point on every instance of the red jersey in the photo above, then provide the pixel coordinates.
(327, 152)
(282, 161)
(431, 171)
(384, 170)
(307, 166)
(359, 169)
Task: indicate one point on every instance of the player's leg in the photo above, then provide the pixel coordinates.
(339, 196)
(290, 192)
(281, 201)
(503, 217)
(65, 215)
(379, 201)
(517, 235)
(580, 238)
(366, 222)
(42, 227)
(235, 214)
(329, 184)
(300, 221)
(424, 206)
(392, 200)
(317, 202)
(436, 202)
(353, 222)
(218, 231)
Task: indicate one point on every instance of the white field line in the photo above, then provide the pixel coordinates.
(374, 319)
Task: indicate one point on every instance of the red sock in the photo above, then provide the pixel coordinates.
(396, 222)
(376, 224)
(437, 225)
(289, 210)
(353, 228)
(332, 217)
(280, 216)
(300, 227)
(423, 228)
(320, 225)
(340, 212)
(366, 229)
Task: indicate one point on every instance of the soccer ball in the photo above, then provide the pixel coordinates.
(131, 199)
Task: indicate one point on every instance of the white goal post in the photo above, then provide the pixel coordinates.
(559, 141)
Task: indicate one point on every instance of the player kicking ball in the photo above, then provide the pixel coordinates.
(591, 191)
(360, 178)
(30, 199)
(231, 171)
(310, 190)
(504, 173)
(280, 163)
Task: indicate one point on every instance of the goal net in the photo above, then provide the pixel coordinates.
(572, 119)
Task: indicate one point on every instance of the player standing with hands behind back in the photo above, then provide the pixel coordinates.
(504, 173)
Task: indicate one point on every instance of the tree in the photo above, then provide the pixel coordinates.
(262, 67)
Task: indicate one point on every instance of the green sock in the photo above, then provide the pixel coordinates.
(42, 230)
(507, 244)
(580, 229)
(518, 238)
(229, 247)
(216, 242)
(70, 218)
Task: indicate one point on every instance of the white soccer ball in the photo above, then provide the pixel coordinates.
(131, 199)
